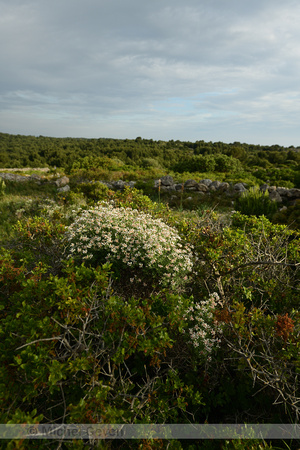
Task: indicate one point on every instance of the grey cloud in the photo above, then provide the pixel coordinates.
(110, 65)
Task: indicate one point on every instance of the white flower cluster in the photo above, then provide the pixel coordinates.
(129, 238)
(204, 330)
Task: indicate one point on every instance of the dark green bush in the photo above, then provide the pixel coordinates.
(209, 163)
(38, 240)
(289, 216)
(2, 187)
(150, 162)
(255, 203)
(95, 190)
(70, 348)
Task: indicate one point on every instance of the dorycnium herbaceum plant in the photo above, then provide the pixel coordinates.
(203, 328)
(127, 238)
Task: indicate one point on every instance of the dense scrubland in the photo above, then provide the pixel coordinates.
(249, 163)
(123, 307)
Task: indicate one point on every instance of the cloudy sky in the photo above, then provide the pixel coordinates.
(217, 70)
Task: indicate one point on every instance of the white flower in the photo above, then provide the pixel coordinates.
(204, 330)
(133, 238)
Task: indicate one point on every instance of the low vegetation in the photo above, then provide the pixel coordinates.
(145, 158)
(117, 308)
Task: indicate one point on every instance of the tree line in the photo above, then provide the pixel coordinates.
(275, 163)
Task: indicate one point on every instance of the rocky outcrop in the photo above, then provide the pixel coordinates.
(65, 188)
(119, 185)
(26, 169)
(239, 188)
(20, 178)
(167, 184)
(207, 186)
(167, 180)
(61, 182)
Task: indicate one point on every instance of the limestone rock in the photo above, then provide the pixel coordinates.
(223, 187)
(214, 185)
(190, 184)
(282, 191)
(14, 177)
(119, 185)
(36, 178)
(167, 188)
(206, 181)
(275, 197)
(293, 193)
(62, 182)
(239, 187)
(201, 187)
(65, 188)
(167, 180)
(272, 188)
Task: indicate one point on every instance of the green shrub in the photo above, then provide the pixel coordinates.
(130, 239)
(209, 163)
(91, 162)
(12, 209)
(255, 203)
(38, 239)
(267, 343)
(2, 187)
(69, 348)
(150, 162)
(289, 216)
(95, 191)
(30, 189)
(133, 198)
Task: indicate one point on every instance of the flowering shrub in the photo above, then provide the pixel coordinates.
(203, 328)
(127, 238)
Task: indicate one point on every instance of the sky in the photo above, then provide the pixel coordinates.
(212, 70)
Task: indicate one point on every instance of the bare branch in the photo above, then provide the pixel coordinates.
(258, 263)
(54, 338)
